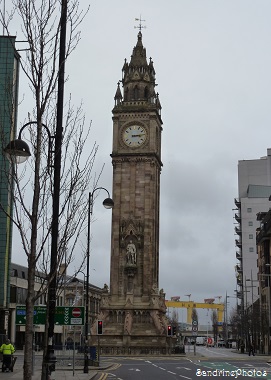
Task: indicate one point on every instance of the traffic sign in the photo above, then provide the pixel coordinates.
(39, 315)
(64, 315)
(194, 327)
(70, 315)
(76, 312)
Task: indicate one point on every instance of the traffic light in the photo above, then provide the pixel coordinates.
(174, 330)
(100, 327)
(169, 331)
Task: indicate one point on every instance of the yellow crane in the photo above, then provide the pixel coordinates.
(190, 305)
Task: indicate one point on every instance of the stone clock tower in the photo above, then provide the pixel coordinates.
(133, 308)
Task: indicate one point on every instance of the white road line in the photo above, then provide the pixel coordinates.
(185, 377)
(173, 373)
(188, 369)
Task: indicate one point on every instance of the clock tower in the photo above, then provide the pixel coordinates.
(133, 308)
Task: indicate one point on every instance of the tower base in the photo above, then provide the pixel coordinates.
(133, 325)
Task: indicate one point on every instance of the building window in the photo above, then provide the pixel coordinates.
(250, 236)
(251, 249)
(14, 273)
(249, 209)
(70, 301)
(250, 223)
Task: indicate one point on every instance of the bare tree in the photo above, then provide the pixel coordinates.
(40, 29)
(194, 314)
(174, 321)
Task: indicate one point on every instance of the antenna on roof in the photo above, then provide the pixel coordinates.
(140, 23)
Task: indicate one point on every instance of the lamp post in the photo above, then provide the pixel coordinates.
(50, 358)
(108, 204)
(216, 327)
(18, 151)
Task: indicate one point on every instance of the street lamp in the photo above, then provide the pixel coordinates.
(50, 358)
(108, 204)
(18, 151)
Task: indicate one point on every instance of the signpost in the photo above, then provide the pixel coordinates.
(195, 332)
(64, 315)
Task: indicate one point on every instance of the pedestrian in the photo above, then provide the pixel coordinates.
(7, 350)
(251, 349)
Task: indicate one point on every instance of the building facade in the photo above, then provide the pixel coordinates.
(254, 189)
(9, 83)
(133, 311)
(70, 292)
(264, 273)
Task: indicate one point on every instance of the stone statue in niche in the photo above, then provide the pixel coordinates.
(128, 323)
(131, 253)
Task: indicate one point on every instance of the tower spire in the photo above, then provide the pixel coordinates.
(140, 26)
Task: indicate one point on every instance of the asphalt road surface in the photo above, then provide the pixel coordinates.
(208, 362)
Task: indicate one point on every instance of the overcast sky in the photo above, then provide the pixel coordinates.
(212, 60)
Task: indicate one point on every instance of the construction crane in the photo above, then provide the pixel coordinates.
(190, 305)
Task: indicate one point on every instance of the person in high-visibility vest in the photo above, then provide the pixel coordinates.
(7, 350)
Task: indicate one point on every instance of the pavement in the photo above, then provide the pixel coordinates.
(58, 374)
(63, 371)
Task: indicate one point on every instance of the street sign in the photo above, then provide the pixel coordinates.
(39, 315)
(70, 315)
(64, 315)
(76, 312)
(194, 327)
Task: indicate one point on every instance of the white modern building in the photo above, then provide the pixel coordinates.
(254, 190)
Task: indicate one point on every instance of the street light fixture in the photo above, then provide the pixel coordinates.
(108, 204)
(17, 151)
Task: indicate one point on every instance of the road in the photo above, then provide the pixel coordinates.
(208, 362)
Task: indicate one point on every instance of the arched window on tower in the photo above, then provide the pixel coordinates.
(136, 93)
(126, 94)
(146, 93)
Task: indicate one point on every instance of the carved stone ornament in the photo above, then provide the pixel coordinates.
(132, 228)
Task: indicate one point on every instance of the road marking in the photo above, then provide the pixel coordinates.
(188, 369)
(173, 373)
(103, 376)
(185, 377)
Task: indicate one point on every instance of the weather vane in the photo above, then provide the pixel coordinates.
(140, 23)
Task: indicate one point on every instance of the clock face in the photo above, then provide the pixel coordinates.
(134, 135)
